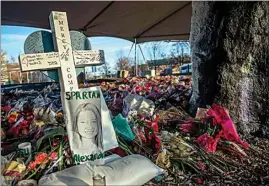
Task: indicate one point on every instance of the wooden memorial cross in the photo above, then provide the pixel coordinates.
(64, 59)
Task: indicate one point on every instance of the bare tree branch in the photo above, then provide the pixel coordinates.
(123, 62)
(180, 50)
(4, 73)
(155, 50)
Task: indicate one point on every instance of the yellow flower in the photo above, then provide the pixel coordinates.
(39, 123)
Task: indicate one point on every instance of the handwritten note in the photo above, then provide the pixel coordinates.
(39, 61)
(91, 57)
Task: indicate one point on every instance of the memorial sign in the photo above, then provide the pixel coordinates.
(88, 120)
(89, 126)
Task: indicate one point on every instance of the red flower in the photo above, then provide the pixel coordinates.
(53, 156)
(55, 143)
(118, 151)
(186, 127)
(208, 142)
(6, 108)
(158, 143)
(24, 124)
(65, 138)
(138, 89)
(41, 157)
(141, 135)
(154, 126)
(199, 180)
(32, 165)
(150, 136)
(201, 165)
(12, 174)
(12, 118)
(118, 102)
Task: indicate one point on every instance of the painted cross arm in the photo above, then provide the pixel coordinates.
(46, 61)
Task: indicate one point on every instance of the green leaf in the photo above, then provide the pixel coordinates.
(55, 132)
(60, 154)
(45, 148)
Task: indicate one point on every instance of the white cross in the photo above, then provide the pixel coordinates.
(64, 59)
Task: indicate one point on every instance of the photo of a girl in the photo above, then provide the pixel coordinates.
(87, 128)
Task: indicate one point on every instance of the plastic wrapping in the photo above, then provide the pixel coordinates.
(39, 102)
(139, 103)
(122, 128)
(222, 117)
(27, 183)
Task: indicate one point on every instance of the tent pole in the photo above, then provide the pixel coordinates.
(130, 50)
(142, 53)
(135, 59)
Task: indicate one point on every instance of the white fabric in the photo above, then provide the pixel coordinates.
(124, 171)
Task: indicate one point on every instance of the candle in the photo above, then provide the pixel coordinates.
(99, 181)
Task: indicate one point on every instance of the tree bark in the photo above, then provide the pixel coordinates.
(230, 55)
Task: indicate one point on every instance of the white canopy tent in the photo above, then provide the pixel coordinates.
(136, 20)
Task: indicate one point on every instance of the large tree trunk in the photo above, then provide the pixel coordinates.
(230, 54)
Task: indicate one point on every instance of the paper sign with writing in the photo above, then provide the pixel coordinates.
(38, 61)
(89, 125)
(91, 57)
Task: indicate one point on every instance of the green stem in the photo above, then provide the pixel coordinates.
(213, 131)
(60, 153)
(124, 147)
(50, 142)
(182, 166)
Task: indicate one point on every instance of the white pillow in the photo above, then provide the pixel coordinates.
(130, 170)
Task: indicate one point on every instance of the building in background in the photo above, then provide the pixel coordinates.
(162, 64)
(93, 72)
(15, 76)
(4, 73)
